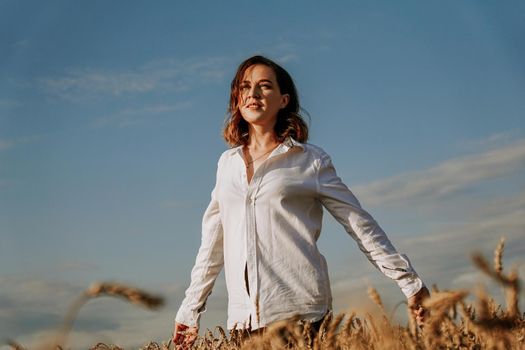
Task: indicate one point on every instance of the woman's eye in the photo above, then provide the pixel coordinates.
(266, 86)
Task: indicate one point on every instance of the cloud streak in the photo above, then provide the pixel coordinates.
(441, 251)
(446, 178)
(8, 103)
(82, 84)
(6, 144)
(134, 116)
(442, 255)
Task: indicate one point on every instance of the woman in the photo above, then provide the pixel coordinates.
(265, 215)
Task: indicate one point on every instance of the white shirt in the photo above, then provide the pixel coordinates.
(271, 226)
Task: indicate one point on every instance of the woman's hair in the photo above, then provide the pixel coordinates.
(289, 120)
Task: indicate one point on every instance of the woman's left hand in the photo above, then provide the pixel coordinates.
(415, 304)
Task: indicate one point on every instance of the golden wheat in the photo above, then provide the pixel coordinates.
(498, 255)
(453, 323)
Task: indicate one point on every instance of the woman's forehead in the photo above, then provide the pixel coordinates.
(259, 72)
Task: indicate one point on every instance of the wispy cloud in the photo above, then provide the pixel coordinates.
(6, 144)
(135, 116)
(287, 58)
(442, 255)
(76, 266)
(8, 103)
(22, 43)
(80, 84)
(441, 251)
(493, 141)
(486, 220)
(446, 178)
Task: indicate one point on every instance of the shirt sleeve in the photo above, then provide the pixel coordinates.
(371, 239)
(208, 264)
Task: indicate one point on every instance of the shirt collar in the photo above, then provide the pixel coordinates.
(284, 147)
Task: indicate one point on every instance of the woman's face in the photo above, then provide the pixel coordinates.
(260, 98)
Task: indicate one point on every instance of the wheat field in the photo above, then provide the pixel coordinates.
(453, 322)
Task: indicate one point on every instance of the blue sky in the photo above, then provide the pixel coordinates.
(110, 129)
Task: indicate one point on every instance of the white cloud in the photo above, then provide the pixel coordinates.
(7, 103)
(76, 266)
(468, 279)
(22, 43)
(134, 116)
(81, 84)
(287, 58)
(446, 178)
(490, 219)
(492, 141)
(6, 144)
(441, 252)
(443, 255)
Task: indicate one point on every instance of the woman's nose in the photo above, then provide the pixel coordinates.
(254, 91)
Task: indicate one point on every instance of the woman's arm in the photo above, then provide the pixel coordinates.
(371, 239)
(208, 265)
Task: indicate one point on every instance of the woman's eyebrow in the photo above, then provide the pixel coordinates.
(258, 82)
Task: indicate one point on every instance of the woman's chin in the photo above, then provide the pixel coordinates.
(258, 119)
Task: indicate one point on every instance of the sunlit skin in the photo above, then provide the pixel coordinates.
(260, 102)
(415, 304)
(260, 99)
(184, 336)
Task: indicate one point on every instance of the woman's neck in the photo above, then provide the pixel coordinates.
(262, 139)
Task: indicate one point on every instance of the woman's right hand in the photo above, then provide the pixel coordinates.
(184, 336)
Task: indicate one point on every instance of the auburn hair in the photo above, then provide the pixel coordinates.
(289, 122)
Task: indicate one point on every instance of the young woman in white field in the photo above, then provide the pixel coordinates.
(265, 216)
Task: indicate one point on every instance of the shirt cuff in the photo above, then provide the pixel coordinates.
(410, 285)
(399, 268)
(189, 317)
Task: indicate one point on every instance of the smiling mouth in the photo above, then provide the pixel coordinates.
(253, 105)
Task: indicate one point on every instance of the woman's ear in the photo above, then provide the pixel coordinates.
(284, 100)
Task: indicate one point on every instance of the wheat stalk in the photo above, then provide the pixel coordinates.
(376, 298)
(131, 294)
(498, 256)
(14, 345)
(100, 289)
(511, 283)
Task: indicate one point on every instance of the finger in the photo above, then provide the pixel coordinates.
(178, 338)
(178, 333)
(188, 342)
(414, 306)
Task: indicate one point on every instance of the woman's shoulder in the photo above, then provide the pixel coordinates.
(315, 151)
(228, 153)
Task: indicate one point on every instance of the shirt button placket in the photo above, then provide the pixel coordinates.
(251, 249)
